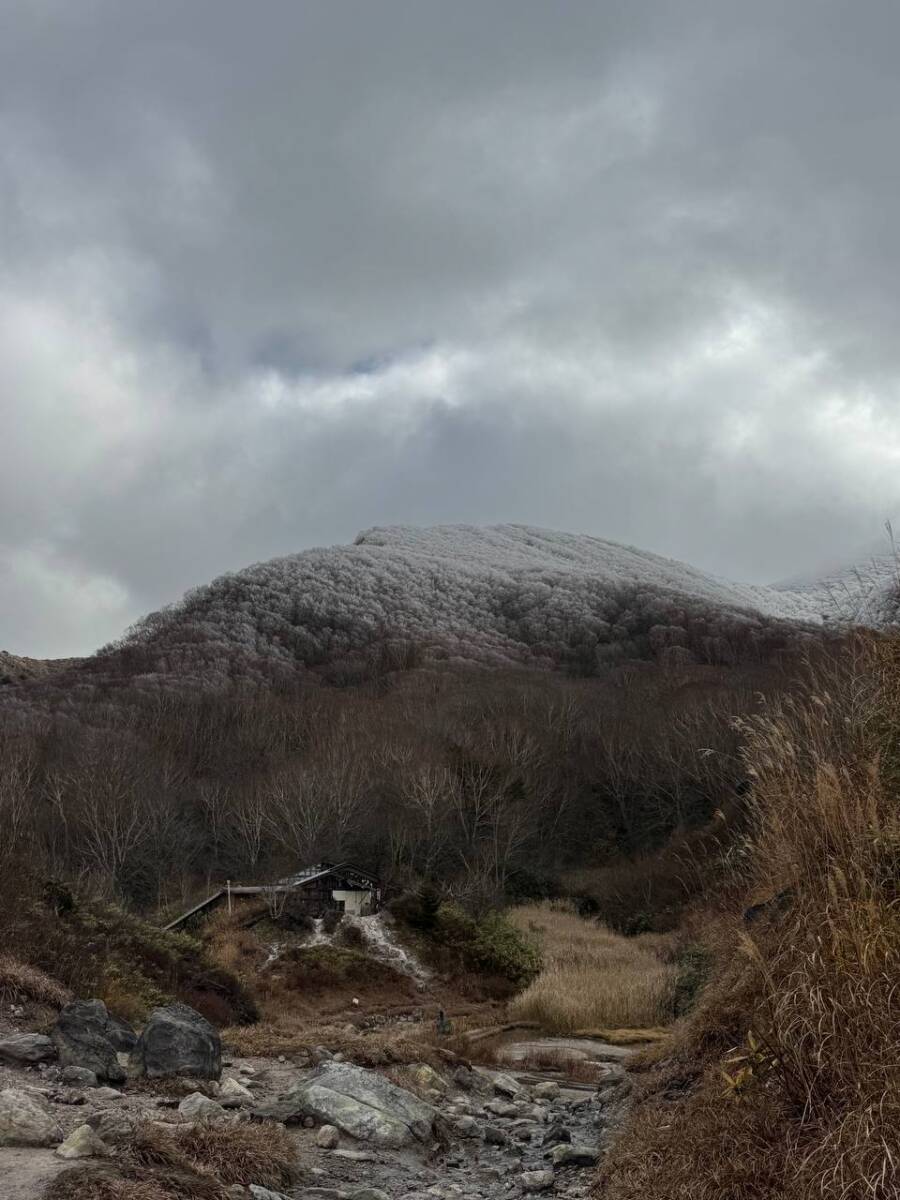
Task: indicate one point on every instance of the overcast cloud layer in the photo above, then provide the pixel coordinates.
(270, 274)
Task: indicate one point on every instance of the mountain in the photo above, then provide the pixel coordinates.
(502, 595)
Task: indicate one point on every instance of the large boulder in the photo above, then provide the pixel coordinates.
(83, 1036)
(177, 1041)
(24, 1049)
(121, 1034)
(362, 1104)
(25, 1120)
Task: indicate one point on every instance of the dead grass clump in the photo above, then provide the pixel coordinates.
(231, 945)
(262, 1153)
(20, 983)
(128, 1181)
(591, 976)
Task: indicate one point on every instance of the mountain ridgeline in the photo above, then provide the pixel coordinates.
(498, 597)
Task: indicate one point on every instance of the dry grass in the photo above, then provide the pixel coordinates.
(591, 976)
(262, 1153)
(294, 1038)
(197, 1162)
(20, 984)
(128, 1181)
(804, 1019)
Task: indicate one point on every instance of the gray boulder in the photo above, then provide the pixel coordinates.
(556, 1133)
(112, 1125)
(26, 1121)
(177, 1041)
(362, 1104)
(505, 1085)
(574, 1156)
(121, 1034)
(81, 1077)
(200, 1108)
(501, 1108)
(537, 1181)
(546, 1090)
(82, 1038)
(24, 1049)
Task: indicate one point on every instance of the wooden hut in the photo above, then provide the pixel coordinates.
(314, 891)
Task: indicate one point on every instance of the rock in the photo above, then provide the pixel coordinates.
(547, 1090)
(26, 1121)
(320, 1054)
(501, 1108)
(83, 1038)
(426, 1077)
(537, 1181)
(556, 1133)
(465, 1078)
(574, 1156)
(494, 1136)
(328, 1137)
(26, 1048)
(112, 1126)
(177, 1041)
(505, 1085)
(82, 1077)
(467, 1127)
(232, 1090)
(198, 1107)
(83, 1142)
(357, 1156)
(264, 1193)
(106, 1093)
(121, 1034)
(362, 1104)
(368, 1193)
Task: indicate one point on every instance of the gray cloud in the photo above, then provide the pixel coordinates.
(269, 276)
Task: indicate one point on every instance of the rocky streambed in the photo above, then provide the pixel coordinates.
(411, 1132)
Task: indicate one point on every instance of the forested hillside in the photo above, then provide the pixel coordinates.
(504, 711)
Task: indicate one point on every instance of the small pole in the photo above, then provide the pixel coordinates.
(228, 888)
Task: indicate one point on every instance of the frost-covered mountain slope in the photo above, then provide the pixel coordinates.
(501, 595)
(522, 550)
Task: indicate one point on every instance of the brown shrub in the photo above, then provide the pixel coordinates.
(261, 1153)
(130, 1182)
(20, 983)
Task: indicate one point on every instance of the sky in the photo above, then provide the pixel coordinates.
(273, 273)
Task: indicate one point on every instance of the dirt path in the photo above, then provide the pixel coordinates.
(25, 1173)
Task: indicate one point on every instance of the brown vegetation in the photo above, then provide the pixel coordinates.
(88, 947)
(591, 976)
(195, 1163)
(491, 784)
(21, 984)
(784, 1083)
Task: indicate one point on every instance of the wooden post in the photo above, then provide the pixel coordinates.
(228, 889)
